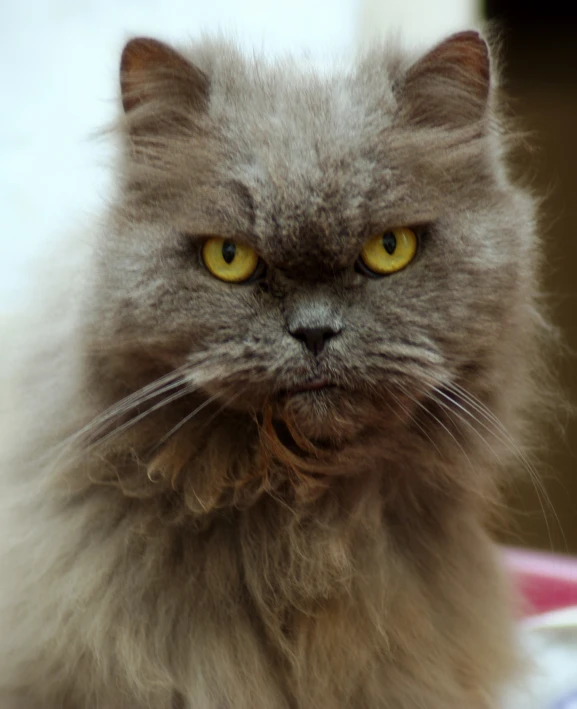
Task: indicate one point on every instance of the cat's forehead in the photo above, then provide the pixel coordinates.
(317, 162)
(306, 208)
(301, 147)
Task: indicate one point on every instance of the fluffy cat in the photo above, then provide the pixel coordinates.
(253, 438)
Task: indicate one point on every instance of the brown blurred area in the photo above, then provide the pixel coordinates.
(539, 54)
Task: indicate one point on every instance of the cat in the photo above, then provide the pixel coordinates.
(255, 430)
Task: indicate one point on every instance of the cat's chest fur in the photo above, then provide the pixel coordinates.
(330, 606)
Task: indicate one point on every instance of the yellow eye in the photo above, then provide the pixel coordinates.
(389, 252)
(228, 260)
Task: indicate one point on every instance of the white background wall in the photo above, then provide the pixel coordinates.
(58, 83)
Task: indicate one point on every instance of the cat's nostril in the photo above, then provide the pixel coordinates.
(314, 338)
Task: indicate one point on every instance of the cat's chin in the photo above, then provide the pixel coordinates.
(323, 414)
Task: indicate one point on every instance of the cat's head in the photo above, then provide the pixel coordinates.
(339, 247)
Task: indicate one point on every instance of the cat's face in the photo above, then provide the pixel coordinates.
(304, 172)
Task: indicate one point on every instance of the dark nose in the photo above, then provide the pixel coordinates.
(314, 338)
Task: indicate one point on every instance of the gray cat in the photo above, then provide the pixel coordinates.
(254, 431)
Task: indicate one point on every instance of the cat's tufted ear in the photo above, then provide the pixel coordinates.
(449, 86)
(151, 72)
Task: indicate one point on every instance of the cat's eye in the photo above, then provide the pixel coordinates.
(230, 261)
(388, 252)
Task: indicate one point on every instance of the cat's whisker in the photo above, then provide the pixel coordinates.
(186, 419)
(225, 405)
(438, 420)
(434, 396)
(413, 420)
(156, 388)
(531, 470)
(89, 434)
(503, 436)
(187, 389)
(540, 491)
(126, 406)
(132, 422)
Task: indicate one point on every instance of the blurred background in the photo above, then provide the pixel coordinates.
(58, 73)
(539, 54)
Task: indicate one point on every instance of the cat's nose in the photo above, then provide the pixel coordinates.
(314, 338)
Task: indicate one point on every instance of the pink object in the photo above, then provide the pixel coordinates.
(546, 581)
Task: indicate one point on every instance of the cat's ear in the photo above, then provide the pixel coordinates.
(151, 72)
(450, 85)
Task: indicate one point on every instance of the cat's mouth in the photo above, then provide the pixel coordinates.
(316, 385)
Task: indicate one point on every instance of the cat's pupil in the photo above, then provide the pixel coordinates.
(228, 251)
(389, 242)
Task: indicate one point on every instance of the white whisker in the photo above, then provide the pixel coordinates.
(435, 418)
(503, 436)
(97, 424)
(415, 422)
(185, 420)
(132, 422)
